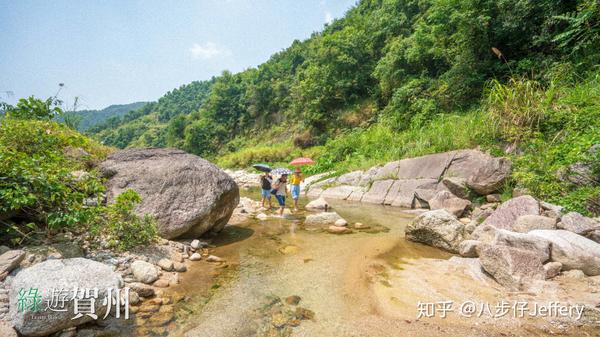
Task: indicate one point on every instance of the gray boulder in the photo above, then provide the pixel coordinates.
(144, 272)
(318, 205)
(511, 267)
(65, 274)
(437, 228)
(531, 243)
(577, 223)
(377, 192)
(572, 250)
(341, 192)
(448, 201)
(9, 261)
(321, 219)
(506, 215)
(468, 248)
(186, 194)
(457, 185)
(529, 222)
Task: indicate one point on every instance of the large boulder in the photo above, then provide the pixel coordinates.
(186, 194)
(572, 250)
(68, 274)
(448, 201)
(511, 267)
(437, 228)
(490, 177)
(506, 215)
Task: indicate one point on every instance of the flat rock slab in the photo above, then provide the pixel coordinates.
(341, 192)
(377, 192)
(431, 166)
(406, 190)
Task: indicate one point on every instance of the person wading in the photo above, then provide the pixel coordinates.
(265, 184)
(295, 181)
(280, 189)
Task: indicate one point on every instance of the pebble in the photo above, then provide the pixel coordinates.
(341, 223)
(338, 230)
(195, 244)
(179, 267)
(195, 257)
(161, 283)
(360, 225)
(293, 300)
(213, 258)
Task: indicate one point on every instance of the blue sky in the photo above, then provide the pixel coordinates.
(114, 52)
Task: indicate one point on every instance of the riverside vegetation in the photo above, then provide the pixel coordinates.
(397, 79)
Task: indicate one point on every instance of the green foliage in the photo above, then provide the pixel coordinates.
(582, 36)
(36, 184)
(40, 194)
(33, 108)
(122, 228)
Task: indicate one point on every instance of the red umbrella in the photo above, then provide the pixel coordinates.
(302, 161)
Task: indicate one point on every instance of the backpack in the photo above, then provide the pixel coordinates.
(265, 183)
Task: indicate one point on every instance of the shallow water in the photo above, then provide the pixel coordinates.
(359, 284)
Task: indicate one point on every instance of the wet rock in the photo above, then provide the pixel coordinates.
(179, 267)
(529, 222)
(468, 248)
(195, 257)
(142, 289)
(161, 283)
(321, 219)
(293, 300)
(144, 272)
(552, 269)
(213, 258)
(9, 261)
(577, 223)
(341, 192)
(338, 230)
(73, 273)
(318, 205)
(511, 267)
(340, 223)
(451, 203)
(360, 225)
(507, 213)
(186, 194)
(166, 264)
(437, 228)
(572, 250)
(303, 313)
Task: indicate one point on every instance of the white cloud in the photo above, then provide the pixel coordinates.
(207, 51)
(328, 18)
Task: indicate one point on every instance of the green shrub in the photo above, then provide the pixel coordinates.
(122, 228)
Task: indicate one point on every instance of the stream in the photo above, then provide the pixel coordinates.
(366, 283)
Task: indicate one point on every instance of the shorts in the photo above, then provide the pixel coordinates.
(280, 200)
(295, 192)
(265, 193)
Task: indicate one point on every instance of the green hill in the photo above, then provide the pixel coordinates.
(397, 78)
(89, 118)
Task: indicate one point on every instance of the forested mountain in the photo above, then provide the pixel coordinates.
(89, 118)
(397, 78)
